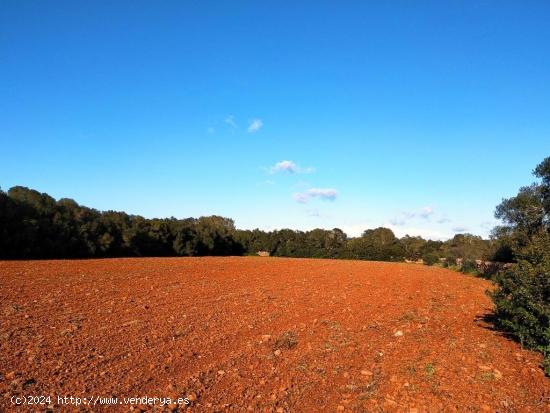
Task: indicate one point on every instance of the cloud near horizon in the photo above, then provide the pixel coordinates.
(325, 194)
(460, 229)
(255, 125)
(426, 233)
(424, 213)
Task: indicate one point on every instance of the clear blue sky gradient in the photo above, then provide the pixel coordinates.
(421, 115)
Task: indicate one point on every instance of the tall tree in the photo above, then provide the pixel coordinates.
(522, 296)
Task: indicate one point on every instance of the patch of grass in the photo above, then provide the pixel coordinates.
(367, 391)
(328, 346)
(301, 367)
(286, 341)
(430, 369)
(484, 356)
(469, 267)
(320, 371)
(488, 376)
(408, 316)
(331, 324)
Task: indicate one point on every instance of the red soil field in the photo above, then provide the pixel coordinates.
(258, 334)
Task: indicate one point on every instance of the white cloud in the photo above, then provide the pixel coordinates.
(424, 213)
(489, 224)
(301, 197)
(426, 233)
(230, 120)
(355, 229)
(460, 229)
(313, 213)
(290, 167)
(287, 166)
(326, 194)
(255, 125)
(398, 222)
(266, 182)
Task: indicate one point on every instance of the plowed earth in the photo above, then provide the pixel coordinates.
(258, 334)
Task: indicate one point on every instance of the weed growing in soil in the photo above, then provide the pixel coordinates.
(286, 341)
(430, 369)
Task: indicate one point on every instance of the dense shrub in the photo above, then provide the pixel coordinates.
(468, 267)
(522, 302)
(449, 262)
(430, 258)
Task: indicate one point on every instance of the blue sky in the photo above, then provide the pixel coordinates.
(419, 116)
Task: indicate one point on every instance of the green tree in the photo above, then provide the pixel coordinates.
(412, 247)
(379, 244)
(522, 296)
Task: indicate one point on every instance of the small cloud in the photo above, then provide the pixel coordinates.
(489, 224)
(287, 166)
(255, 125)
(313, 213)
(230, 120)
(397, 222)
(265, 183)
(290, 167)
(443, 220)
(426, 212)
(301, 197)
(460, 229)
(325, 194)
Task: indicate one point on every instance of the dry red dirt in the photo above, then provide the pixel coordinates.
(259, 334)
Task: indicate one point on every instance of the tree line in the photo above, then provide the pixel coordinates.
(34, 225)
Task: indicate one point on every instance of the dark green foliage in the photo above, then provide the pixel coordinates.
(317, 243)
(449, 261)
(467, 247)
(542, 171)
(522, 296)
(412, 247)
(378, 244)
(468, 267)
(430, 258)
(185, 242)
(524, 212)
(434, 247)
(522, 303)
(34, 225)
